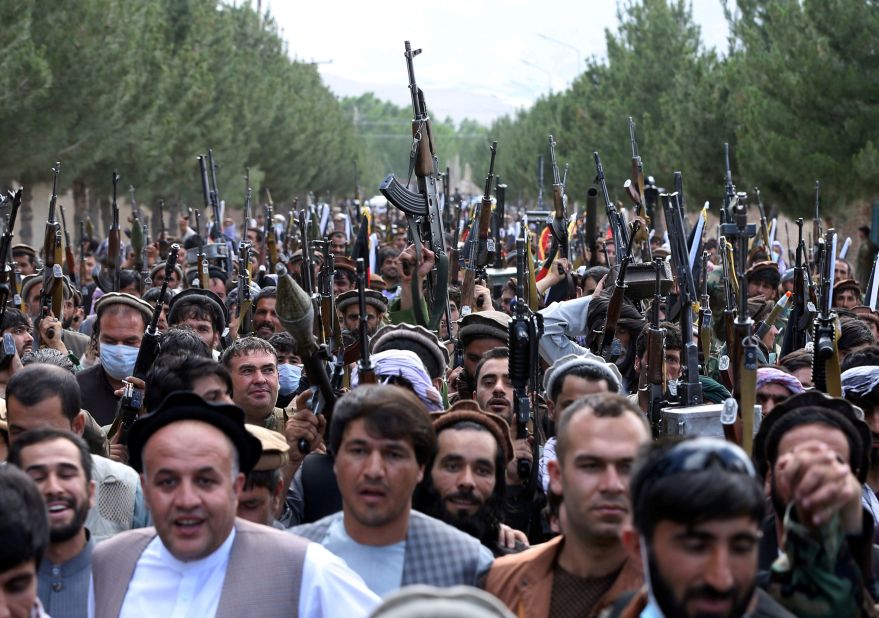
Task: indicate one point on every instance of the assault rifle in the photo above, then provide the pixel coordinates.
(271, 249)
(216, 233)
(204, 278)
(617, 225)
(825, 360)
(498, 231)
(705, 317)
(422, 207)
(610, 346)
(52, 293)
(365, 370)
(592, 225)
(729, 196)
(816, 226)
(145, 279)
(803, 311)
(634, 188)
(245, 301)
(559, 227)
(114, 258)
(14, 200)
(652, 393)
(132, 399)
(83, 269)
(744, 344)
(479, 261)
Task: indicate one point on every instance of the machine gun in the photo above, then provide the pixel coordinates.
(617, 225)
(14, 200)
(803, 311)
(610, 346)
(654, 373)
(245, 301)
(422, 207)
(825, 360)
(479, 261)
(132, 399)
(216, 232)
(110, 281)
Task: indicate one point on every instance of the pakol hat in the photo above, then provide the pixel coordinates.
(847, 284)
(210, 299)
(406, 337)
(469, 410)
(488, 324)
(187, 406)
(373, 297)
(121, 298)
(23, 249)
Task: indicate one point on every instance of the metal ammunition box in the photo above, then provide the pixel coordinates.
(698, 421)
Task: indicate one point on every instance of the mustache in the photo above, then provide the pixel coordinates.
(710, 593)
(463, 494)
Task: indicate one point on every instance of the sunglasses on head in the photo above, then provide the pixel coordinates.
(701, 454)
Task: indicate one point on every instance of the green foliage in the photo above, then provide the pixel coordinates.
(144, 87)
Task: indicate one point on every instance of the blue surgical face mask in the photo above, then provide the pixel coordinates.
(288, 377)
(118, 360)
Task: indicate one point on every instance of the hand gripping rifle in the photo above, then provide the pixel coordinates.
(422, 207)
(654, 372)
(479, 262)
(617, 226)
(110, 281)
(634, 188)
(14, 200)
(52, 294)
(559, 227)
(610, 347)
(132, 399)
(745, 384)
(825, 360)
(524, 335)
(269, 233)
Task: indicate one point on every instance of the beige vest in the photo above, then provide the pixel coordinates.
(260, 560)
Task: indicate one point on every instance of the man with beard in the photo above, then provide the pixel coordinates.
(75, 342)
(41, 396)
(466, 484)
(813, 454)
(585, 569)
(60, 465)
(265, 317)
(348, 308)
(860, 385)
(697, 510)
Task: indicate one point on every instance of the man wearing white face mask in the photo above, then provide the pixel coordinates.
(121, 322)
(289, 367)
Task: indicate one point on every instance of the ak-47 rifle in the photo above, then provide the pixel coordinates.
(617, 225)
(163, 231)
(14, 200)
(454, 252)
(332, 330)
(271, 248)
(705, 317)
(83, 269)
(216, 233)
(51, 299)
(132, 399)
(745, 383)
(763, 236)
(825, 360)
(592, 225)
(803, 311)
(729, 196)
(479, 261)
(204, 277)
(652, 393)
(365, 370)
(559, 227)
(609, 346)
(248, 199)
(245, 302)
(816, 226)
(69, 260)
(422, 207)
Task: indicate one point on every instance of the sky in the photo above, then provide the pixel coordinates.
(481, 58)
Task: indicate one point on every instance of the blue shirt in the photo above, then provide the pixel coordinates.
(380, 566)
(64, 588)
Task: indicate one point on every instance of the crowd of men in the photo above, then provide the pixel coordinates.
(244, 487)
